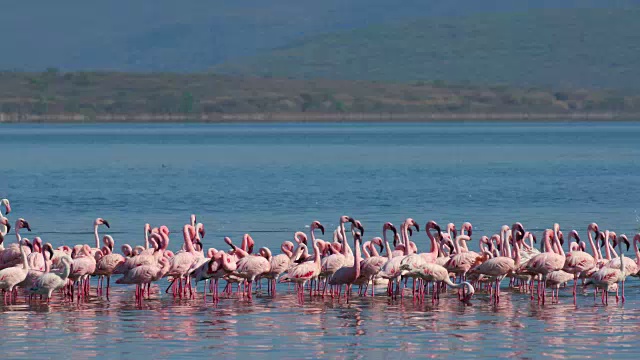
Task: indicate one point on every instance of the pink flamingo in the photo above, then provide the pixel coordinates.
(219, 265)
(331, 263)
(347, 275)
(48, 282)
(307, 271)
(181, 263)
(372, 264)
(251, 266)
(83, 266)
(577, 262)
(498, 267)
(606, 277)
(431, 272)
(145, 274)
(12, 276)
(11, 256)
(547, 262)
(109, 260)
(279, 264)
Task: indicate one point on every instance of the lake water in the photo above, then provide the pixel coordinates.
(271, 180)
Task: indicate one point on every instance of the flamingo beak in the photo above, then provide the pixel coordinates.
(361, 228)
(8, 227)
(50, 249)
(106, 223)
(26, 225)
(393, 228)
(7, 209)
(321, 228)
(627, 243)
(410, 231)
(417, 226)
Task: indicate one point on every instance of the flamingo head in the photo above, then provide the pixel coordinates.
(300, 237)
(250, 243)
(574, 235)
(37, 243)
(27, 243)
(356, 224)
(22, 224)
(389, 226)
(200, 229)
(108, 241)
(7, 206)
(469, 293)
(409, 222)
(101, 221)
(265, 253)
(4, 221)
(468, 228)
(378, 241)
(432, 225)
(623, 239)
(192, 219)
(197, 245)
(229, 242)
(317, 225)
(48, 248)
(345, 219)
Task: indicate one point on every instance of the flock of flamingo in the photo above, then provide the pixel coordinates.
(331, 268)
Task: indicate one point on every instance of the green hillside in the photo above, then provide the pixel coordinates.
(558, 48)
(117, 96)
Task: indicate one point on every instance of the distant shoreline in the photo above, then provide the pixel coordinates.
(313, 117)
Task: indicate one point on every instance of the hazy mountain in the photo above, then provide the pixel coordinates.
(167, 35)
(573, 48)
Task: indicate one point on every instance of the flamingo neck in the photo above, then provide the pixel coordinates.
(593, 245)
(25, 263)
(608, 246)
(188, 245)
(357, 259)
(95, 235)
(146, 238)
(364, 249)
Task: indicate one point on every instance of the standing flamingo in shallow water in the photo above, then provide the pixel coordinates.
(347, 275)
(49, 282)
(577, 262)
(12, 276)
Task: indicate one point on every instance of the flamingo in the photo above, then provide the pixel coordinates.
(331, 263)
(630, 266)
(347, 275)
(145, 274)
(547, 262)
(279, 264)
(577, 262)
(49, 282)
(109, 260)
(12, 276)
(83, 266)
(606, 277)
(498, 267)
(219, 265)
(306, 271)
(181, 263)
(249, 267)
(11, 255)
(371, 266)
(432, 272)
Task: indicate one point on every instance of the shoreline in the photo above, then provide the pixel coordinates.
(9, 118)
